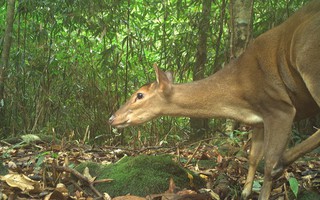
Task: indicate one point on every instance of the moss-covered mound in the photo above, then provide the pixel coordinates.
(141, 175)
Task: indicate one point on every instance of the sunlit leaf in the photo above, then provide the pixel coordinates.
(294, 185)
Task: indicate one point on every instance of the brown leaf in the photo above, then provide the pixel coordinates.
(172, 186)
(87, 174)
(20, 181)
(129, 197)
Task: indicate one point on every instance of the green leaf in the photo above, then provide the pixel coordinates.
(294, 185)
(256, 186)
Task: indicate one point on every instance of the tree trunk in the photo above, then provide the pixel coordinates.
(241, 12)
(5, 61)
(199, 125)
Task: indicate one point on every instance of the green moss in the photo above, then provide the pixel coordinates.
(3, 169)
(141, 175)
(308, 195)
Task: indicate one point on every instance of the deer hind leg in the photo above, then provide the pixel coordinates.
(300, 149)
(291, 155)
(256, 153)
(276, 135)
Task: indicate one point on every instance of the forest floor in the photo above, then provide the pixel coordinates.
(42, 170)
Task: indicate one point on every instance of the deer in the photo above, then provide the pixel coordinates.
(275, 82)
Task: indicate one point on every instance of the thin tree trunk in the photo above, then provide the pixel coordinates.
(200, 125)
(241, 24)
(241, 12)
(217, 65)
(5, 61)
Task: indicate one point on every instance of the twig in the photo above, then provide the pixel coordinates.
(79, 176)
(6, 143)
(77, 186)
(194, 153)
(286, 191)
(106, 180)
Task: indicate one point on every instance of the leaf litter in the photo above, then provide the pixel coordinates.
(39, 170)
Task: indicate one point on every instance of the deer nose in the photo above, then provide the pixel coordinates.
(111, 119)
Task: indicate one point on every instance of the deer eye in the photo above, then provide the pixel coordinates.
(139, 96)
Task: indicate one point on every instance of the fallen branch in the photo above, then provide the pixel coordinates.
(81, 177)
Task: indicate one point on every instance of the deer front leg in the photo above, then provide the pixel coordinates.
(256, 153)
(276, 135)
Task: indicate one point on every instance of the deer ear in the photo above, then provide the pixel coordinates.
(169, 76)
(164, 79)
(158, 71)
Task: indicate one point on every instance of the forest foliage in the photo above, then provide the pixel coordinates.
(74, 62)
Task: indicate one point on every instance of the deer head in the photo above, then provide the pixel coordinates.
(146, 103)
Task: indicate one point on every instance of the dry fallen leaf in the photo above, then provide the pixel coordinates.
(106, 196)
(12, 165)
(20, 181)
(87, 174)
(129, 197)
(62, 189)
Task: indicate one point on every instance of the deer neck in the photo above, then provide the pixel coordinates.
(211, 97)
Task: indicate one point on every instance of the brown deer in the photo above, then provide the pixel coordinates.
(274, 82)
